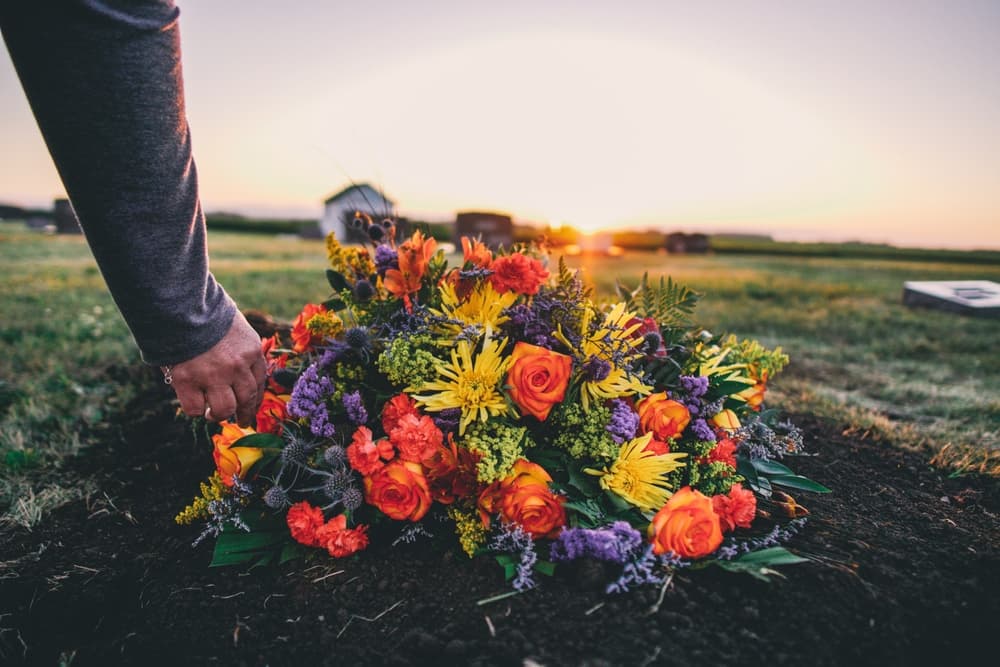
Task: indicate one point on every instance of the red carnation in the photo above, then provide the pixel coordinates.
(303, 521)
(517, 273)
(737, 509)
(398, 406)
(416, 437)
(339, 540)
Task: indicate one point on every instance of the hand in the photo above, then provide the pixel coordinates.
(227, 379)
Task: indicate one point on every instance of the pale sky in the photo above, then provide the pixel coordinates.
(834, 120)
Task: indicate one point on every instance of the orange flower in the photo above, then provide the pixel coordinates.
(658, 447)
(339, 540)
(666, 418)
(686, 526)
(233, 461)
(538, 379)
(267, 347)
(399, 490)
(414, 256)
(723, 452)
(415, 437)
(451, 472)
(365, 455)
(302, 338)
(524, 498)
(517, 273)
(754, 395)
(477, 253)
(272, 412)
(398, 406)
(726, 420)
(737, 509)
(303, 521)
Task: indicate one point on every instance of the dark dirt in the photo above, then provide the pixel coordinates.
(906, 571)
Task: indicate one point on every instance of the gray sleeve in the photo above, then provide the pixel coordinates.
(104, 82)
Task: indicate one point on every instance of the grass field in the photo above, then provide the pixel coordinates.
(918, 378)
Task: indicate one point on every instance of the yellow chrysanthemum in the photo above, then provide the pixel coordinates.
(468, 384)
(639, 476)
(483, 307)
(613, 344)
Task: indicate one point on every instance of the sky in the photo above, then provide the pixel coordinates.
(876, 121)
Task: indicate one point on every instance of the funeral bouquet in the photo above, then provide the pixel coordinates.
(497, 399)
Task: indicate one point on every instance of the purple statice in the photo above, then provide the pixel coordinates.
(308, 401)
(448, 420)
(227, 510)
(615, 543)
(624, 421)
(513, 540)
(758, 440)
(526, 324)
(355, 408)
(333, 352)
(702, 430)
(778, 535)
(595, 369)
(637, 572)
(410, 533)
(385, 258)
(475, 273)
(695, 386)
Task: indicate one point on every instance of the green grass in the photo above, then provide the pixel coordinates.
(916, 377)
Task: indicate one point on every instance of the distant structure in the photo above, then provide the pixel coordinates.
(494, 229)
(679, 243)
(338, 210)
(980, 298)
(65, 218)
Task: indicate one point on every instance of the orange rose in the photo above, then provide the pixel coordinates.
(272, 412)
(665, 417)
(538, 379)
(686, 526)
(233, 461)
(338, 539)
(737, 509)
(303, 521)
(302, 338)
(517, 273)
(416, 437)
(726, 420)
(524, 498)
(399, 490)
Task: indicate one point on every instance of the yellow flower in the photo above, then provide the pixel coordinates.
(483, 307)
(467, 384)
(352, 263)
(611, 342)
(326, 324)
(639, 476)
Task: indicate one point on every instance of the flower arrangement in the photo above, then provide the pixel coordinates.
(502, 400)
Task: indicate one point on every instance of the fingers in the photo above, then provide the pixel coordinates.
(222, 403)
(191, 397)
(259, 370)
(248, 397)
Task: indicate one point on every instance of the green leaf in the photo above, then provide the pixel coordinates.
(285, 377)
(798, 482)
(582, 482)
(548, 568)
(508, 564)
(337, 280)
(761, 564)
(260, 440)
(589, 509)
(766, 467)
(335, 303)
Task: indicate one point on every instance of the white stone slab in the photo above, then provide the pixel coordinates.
(970, 297)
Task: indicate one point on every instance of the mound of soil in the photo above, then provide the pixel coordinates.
(905, 569)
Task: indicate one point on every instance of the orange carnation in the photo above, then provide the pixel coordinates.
(737, 509)
(686, 526)
(665, 417)
(399, 490)
(364, 454)
(415, 437)
(338, 539)
(233, 461)
(524, 498)
(538, 379)
(303, 521)
(302, 338)
(272, 412)
(398, 406)
(517, 273)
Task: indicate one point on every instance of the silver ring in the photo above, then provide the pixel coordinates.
(208, 412)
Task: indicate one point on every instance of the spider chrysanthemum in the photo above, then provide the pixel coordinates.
(638, 475)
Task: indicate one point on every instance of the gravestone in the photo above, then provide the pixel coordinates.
(968, 297)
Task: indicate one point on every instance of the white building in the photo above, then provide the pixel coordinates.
(338, 209)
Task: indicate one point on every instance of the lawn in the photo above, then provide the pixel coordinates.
(918, 378)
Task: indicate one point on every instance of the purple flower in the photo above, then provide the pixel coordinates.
(694, 385)
(385, 258)
(615, 543)
(308, 401)
(355, 408)
(702, 430)
(624, 421)
(448, 420)
(596, 369)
